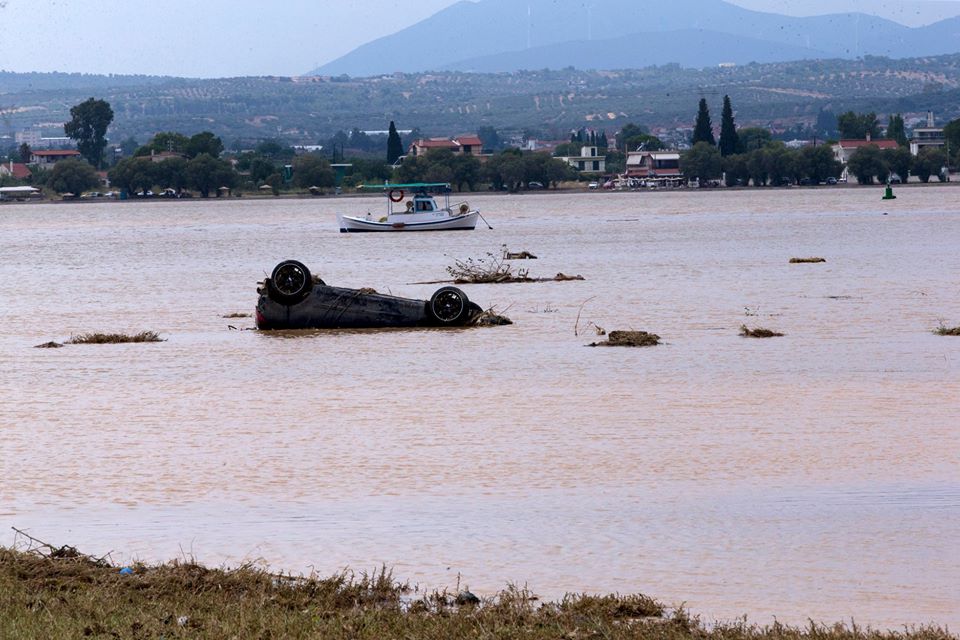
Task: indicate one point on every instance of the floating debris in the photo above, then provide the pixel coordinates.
(49, 345)
(807, 260)
(492, 319)
(115, 338)
(521, 255)
(947, 331)
(629, 339)
(758, 333)
(238, 315)
(493, 270)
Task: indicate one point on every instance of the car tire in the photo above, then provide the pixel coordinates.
(290, 282)
(448, 305)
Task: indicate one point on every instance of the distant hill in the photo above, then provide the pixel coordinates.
(506, 35)
(701, 48)
(550, 103)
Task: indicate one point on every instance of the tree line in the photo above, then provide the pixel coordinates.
(751, 156)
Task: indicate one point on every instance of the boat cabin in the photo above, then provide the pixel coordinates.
(421, 203)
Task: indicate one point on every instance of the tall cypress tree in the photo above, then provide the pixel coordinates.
(703, 131)
(896, 130)
(729, 140)
(394, 144)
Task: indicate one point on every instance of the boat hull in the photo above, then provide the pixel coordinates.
(402, 222)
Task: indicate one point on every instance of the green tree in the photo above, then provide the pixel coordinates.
(73, 176)
(171, 173)
(169, 141)
(627, 133)
(394, 144)
(206, 173)
(819, 163)
(24, 152)
(753, 138)
(703, 129)
(645, 142)
(826, 126)
(857, 126)
(134, 174)
(702, 162)
(757, 167)
(929, 162)
(867, 163)
(261, 169)
(896, 130)
(310, 170)
(204, 142)
(729, 140)
(899, 160)
(952, 134)
(466, 171)
(735, 170)
(275, 180)
(128, 147)
(88, 125)
(782, 164)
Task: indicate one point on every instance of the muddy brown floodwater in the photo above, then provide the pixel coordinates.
(815, 475)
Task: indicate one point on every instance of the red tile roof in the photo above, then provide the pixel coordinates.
(469, 140)
(20, 171)
(436, 143)
(56, 153)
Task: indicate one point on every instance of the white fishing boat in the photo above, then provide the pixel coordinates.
(413, 207)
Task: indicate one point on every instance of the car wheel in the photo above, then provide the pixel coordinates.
(290, 282)
(448, 305)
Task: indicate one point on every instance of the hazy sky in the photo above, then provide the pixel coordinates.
(215, 38)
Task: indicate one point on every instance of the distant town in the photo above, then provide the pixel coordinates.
(85, 163)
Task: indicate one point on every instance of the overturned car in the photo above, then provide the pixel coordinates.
(292, 298)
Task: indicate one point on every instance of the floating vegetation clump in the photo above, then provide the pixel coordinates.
(807, 260)
(115, 338)
(629, 339)
(494, 269)
(747, 332)
(943, 330)
(49, 345)
(490, 318)
(238, 314)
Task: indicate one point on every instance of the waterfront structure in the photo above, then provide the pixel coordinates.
(590, 160)
(655, 168)
(49, 158)
(928, 136)
(466, 145)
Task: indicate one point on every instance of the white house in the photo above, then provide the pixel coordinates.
(928, 136)
(590, 160)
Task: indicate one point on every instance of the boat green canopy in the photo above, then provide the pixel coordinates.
(412, 185)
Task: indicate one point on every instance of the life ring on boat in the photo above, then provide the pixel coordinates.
(464, 208)
(396, 195)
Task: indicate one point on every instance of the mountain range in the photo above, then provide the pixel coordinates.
(510, 35)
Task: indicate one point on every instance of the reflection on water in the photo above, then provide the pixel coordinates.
(811, 475)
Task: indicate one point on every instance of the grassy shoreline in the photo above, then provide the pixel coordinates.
(60, 593)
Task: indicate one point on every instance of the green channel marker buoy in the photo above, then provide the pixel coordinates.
(888, 194)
